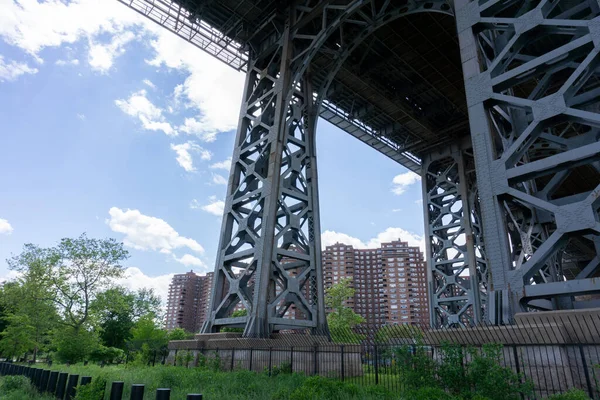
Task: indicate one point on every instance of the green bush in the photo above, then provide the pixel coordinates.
(428, 393)
(92, 391)
(12, 383)
(318, 387)
(573, 394)
(107, 354)
(285, 368)
(19, 388)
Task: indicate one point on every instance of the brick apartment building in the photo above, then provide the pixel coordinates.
(188, 301)
(390, 285)
(390, 282)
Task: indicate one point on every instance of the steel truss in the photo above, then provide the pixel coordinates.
(269, 252)
(531, 78)
(456, 259)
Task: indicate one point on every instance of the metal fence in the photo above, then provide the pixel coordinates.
(554, 352)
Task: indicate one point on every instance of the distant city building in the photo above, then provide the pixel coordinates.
(390, 282)
(188, 301)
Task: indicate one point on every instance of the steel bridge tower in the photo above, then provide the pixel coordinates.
(495, 103)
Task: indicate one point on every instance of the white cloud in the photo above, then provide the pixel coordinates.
(225, 164)
(143, 232)
(219, 179)
(184, 154)
(62, 63)
(189, 259)
(81, 116)
(329, 238)
(33, 26)
(214, 206)
(10, 276)
(149, 83)
(11, 70)
(396, 209)
(102, 55)
(403, 181)
(5, 227)
(151, 117)
(135, 279)
(212, 89)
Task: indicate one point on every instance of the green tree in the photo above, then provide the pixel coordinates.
(117, 309)
(85, 268)
(67, 278)
(341, 318)
(29, 298)
(17, 337)
(236, 313)
(148, 339)
(75, 344)
(180, 334)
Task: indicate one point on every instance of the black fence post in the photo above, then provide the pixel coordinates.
(376, 356)
(85, 380)
(194, 397)
(60, 386)
(71, 385)
(163, 394)
(586, 372)
(517, 366)
(232, 358)
(249, 368)
(44, 380)
(342, 365)
(292, 359)
(52, 380)
(270, 359)
(116, 391)
(315, 360)
(137, 392)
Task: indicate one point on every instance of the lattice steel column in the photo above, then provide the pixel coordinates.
(269, 252)
(457, 270)
(531, 78)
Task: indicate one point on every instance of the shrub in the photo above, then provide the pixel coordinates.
(12, 383)
(285, 368)
(428, 393)
(107, 354)
(491, 380)
(572, 394)
(19, 388)
(92, 391)
(318, 387)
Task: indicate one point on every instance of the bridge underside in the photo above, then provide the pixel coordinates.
(494, 103)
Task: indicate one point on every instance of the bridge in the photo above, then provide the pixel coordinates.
(494, 103)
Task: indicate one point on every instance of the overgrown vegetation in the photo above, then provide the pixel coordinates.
(65, 306)
(19, 388)
(466, 373)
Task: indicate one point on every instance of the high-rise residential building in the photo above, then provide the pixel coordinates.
(390, 282)
(187, 304)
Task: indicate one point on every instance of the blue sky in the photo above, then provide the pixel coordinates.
(111, 126)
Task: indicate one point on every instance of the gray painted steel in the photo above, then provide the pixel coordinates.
(527, 180)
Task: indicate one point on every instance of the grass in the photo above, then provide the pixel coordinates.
(19, 388)
(238, 385)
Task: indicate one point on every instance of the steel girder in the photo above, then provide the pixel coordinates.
(531, 78)
(456, 261)
(269, 251)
